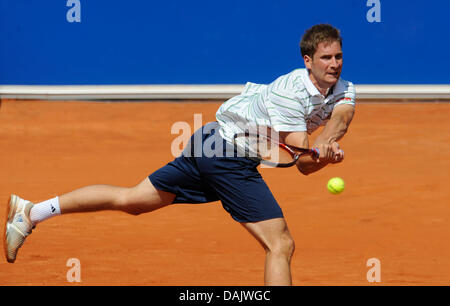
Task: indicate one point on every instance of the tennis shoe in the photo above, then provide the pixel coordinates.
(18, 226)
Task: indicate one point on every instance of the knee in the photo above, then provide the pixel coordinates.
(135, 211)
(283, 246)
(125, 202)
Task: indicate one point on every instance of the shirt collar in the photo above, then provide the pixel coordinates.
(313, 91)
(339, 87)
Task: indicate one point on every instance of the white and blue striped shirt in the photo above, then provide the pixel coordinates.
(291, 103)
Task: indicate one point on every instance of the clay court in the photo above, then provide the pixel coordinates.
(396, 205)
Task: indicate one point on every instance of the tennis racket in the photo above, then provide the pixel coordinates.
(270, 151)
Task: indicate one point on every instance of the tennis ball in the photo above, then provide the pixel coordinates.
(336, 185)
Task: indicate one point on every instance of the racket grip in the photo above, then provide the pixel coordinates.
(315, 153)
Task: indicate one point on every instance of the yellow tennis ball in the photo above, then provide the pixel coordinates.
(336, 185)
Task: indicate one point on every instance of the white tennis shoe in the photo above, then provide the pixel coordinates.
(18, 226)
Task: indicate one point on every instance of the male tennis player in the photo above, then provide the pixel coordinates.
(294, 105)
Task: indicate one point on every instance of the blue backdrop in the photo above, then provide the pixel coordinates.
(216, 41)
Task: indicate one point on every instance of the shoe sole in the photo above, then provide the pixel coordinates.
(11, 207)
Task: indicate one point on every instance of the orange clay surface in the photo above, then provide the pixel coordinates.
(396, 205)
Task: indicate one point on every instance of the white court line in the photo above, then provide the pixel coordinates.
(161, 92)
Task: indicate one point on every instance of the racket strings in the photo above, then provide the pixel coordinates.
(264, 149)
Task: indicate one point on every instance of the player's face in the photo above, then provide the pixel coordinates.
(326, 64)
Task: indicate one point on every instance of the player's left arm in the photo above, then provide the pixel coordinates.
(334, 130)
(306, 164)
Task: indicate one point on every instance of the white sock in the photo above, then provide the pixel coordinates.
(45, 210)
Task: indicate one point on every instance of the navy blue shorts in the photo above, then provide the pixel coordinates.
(202, 178)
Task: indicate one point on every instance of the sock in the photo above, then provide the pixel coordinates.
(45, 210)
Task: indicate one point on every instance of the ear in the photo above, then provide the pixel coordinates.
(308, 60)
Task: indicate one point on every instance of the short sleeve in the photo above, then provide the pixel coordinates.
(286, 112)
(348, 96)
(252, 88)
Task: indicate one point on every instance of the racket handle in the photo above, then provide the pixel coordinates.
(315, 153)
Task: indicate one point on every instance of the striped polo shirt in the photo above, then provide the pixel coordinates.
(291, 103)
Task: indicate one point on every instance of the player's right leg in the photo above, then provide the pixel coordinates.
(22, 216)
(136, 200)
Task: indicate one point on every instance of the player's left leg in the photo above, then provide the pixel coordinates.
(247, 198)
(276, 240)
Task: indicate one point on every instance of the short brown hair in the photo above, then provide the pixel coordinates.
(317, 34)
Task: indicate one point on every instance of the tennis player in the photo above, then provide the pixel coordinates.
(294, 105)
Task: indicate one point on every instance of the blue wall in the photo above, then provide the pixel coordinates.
(216, 41)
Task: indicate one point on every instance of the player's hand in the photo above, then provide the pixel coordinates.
(338, 154)
(329, 152)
